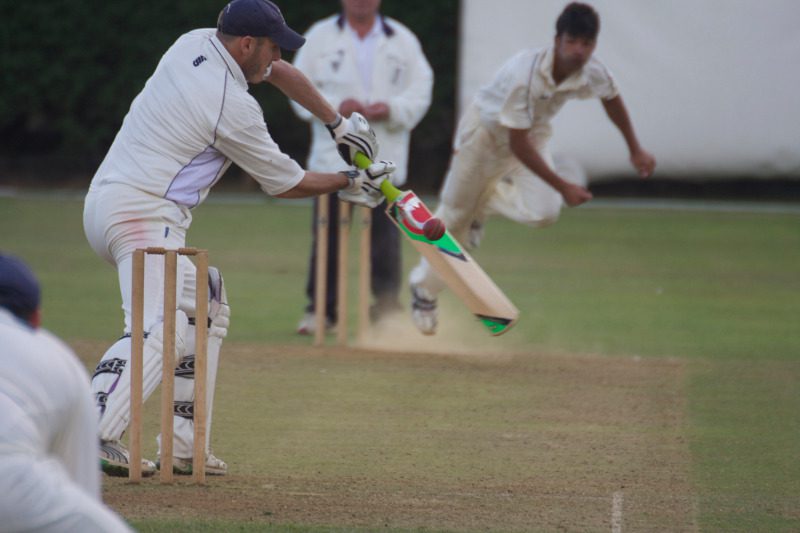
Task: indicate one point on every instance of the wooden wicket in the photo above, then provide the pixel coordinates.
(364, 273)
(168, 361)
(345, 211)
(321, 280)
(342, 287)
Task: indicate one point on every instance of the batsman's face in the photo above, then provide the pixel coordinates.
(258, 55)
(573, 52)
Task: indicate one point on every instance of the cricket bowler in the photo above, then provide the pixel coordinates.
(501, 164)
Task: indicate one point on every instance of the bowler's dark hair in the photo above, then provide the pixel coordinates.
(578, 20)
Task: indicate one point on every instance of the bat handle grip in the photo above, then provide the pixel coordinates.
(362, 161)
(389, 191)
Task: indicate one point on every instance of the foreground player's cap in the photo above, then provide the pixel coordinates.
(258, 18)
(19, 290)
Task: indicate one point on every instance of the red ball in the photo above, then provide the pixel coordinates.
(433, 229)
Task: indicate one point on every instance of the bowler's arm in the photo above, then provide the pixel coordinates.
(642, 160)
(524, 149)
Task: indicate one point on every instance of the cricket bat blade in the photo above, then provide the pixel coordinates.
(459, 271)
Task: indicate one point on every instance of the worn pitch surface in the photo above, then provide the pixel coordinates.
(459, 442)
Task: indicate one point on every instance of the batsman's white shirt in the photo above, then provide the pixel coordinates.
(191, 120)
(49, 476)
(400, 76)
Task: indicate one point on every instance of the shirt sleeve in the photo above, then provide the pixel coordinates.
(244, 139)
(601, 81)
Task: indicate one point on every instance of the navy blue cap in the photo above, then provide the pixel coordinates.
(19, 290)
(258, 18)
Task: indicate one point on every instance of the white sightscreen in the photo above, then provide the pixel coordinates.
(713, 86)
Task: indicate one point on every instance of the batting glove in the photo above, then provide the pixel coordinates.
(353, 135)
(365, 185)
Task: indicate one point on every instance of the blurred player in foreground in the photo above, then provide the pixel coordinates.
(48, 426)
(501, 164)
(192, 119)
(365, 63)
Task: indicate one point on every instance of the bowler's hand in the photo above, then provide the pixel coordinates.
(644, 163)
(575, 195)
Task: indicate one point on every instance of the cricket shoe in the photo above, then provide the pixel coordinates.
(114, 460)
(423, 310)
(183, 467)
(308, 324)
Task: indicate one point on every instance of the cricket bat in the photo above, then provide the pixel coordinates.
(449, 259)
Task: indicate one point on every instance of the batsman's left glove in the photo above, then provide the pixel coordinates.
(353, 135)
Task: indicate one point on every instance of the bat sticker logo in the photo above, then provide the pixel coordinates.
(413, 213)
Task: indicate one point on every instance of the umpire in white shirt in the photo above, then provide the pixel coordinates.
(364, 62)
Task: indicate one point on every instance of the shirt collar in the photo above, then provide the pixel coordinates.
(373, 33)
(231, 63)
(577, 79)
(383, 26)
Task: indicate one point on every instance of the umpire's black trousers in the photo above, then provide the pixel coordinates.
(385, 259)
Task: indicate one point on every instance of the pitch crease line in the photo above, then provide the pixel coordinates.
(616, 512)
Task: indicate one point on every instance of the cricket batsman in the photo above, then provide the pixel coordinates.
(192, 119)
(501, 163)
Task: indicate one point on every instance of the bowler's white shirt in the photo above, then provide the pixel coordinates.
(523, 94)
(192, 119)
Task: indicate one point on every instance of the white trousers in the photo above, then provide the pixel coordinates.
(117, 220)
(486, 179)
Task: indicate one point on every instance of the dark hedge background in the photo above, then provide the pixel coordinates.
(70, 69)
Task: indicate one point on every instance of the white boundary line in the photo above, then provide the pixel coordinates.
(646, 204)
(616, 512)
(715, 206)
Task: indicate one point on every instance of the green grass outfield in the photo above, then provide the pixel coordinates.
(716, 291)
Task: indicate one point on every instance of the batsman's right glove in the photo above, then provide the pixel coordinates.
(365, 185)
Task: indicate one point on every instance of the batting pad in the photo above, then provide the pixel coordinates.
(117, 390)
(183, 421)
(219, 319)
